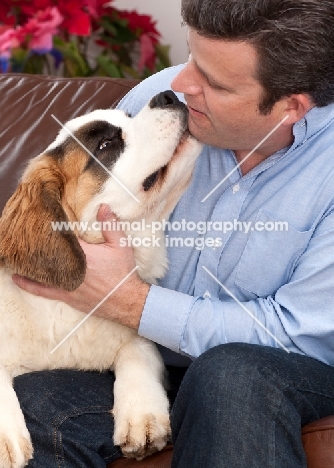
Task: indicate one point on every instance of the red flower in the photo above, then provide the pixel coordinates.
(6, 14)
(96, 8)
(29, 8)
(141, 24)
(76, 16)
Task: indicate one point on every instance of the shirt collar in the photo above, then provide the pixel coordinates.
(315, 120)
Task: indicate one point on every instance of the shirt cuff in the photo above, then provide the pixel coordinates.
(164, 316)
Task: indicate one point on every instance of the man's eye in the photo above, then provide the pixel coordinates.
(215, 86)
(104, 144)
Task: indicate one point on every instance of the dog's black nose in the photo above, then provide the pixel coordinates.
(165, 99)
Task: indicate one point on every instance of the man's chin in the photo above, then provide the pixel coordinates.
(196, 130)
(201, 134)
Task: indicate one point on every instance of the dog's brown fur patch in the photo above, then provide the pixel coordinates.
(81, 185)
(28, 244)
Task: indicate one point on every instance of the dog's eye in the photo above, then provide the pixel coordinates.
(104, 144)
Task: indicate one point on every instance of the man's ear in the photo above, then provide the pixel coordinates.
(29, 244)
(296, 106)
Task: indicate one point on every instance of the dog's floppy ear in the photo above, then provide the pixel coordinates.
(29, 245)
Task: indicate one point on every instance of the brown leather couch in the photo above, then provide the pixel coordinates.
(27, 103)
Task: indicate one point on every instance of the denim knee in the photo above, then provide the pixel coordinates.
(230, 372)
(224, 400)
(255, 397)
(47, 393)
(68, 415)
(233, 363)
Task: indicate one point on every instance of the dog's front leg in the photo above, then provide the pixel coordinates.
(15, 443)
(141, 407)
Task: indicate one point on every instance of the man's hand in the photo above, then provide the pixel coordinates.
(107, 265)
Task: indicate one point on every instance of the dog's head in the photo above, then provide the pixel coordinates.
(139, 166)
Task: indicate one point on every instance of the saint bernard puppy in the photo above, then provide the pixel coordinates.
(139, 166)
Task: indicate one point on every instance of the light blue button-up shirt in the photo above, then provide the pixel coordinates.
(269, 281)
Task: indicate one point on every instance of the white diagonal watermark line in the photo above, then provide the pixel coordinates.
(245, 309)
(95, 158)
(92, 311)
(246, 157)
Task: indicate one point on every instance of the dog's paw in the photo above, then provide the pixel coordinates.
(15, 448)
(139, 436)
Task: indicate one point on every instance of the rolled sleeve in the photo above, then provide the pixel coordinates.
(165, 316)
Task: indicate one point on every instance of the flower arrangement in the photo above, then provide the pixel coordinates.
(78, 38)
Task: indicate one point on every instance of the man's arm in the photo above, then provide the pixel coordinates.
(298, 317)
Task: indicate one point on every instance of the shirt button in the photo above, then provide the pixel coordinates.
(235, 188)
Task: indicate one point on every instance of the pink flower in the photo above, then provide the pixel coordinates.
(147, 52)
(8, 40)
(41, 28)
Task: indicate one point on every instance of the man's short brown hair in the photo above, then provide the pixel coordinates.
(294, 40)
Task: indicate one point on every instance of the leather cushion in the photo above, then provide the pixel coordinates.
(318, 441)
(161, 459)
(317, 437)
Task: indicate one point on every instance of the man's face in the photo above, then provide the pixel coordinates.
(223, 95)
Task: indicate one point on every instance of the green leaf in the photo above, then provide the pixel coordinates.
(129, 71)
(118, 31)
(74, 63)
(109, 67)
(18, 59)
(107, 25)
(35, 64)
(162, 52)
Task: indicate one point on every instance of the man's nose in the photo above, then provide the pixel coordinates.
(186, 81)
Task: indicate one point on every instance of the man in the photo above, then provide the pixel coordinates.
(255, 307)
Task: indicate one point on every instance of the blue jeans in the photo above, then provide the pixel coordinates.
(243, 406)
(239, 406)
(68, 415)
